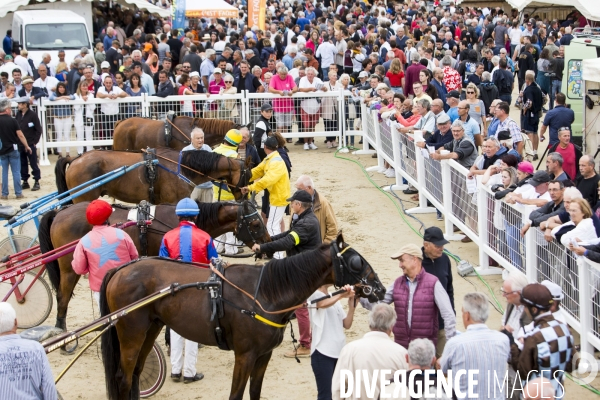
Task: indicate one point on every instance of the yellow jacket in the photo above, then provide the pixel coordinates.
(226, 195)
(274, 177)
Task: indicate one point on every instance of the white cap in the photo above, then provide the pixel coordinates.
(217, 71)
(105, 64)
(194, 73)
(363, 74)
(555, 290)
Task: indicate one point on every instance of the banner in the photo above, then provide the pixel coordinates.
(178, 14)
(257, 10)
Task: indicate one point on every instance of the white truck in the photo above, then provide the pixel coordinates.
(48, 31)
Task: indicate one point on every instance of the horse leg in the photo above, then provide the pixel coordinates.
(258, 374)
(244, 363)
(132, 340)
(68, 280)
(151, 336)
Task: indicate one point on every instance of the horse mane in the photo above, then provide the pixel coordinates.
(201, 160)
(299, 272)
(213, 126)
(209, 215)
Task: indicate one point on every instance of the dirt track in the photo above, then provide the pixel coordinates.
(370, 222)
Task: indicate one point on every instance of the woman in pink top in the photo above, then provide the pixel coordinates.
(215, 86)
(284, 85)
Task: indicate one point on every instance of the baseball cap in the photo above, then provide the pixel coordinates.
(435, 235)
(217, 71)
(194, 73)
(539, 177)
(105, 64)
(266, 107)
(363, 74)
(443, 119)
(525, 166)
(299, 195)
(453, 93)
(271, 142)
(410, 249)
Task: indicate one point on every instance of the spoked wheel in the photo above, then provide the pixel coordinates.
(154, 373)
(28, 229)
(35, 306)
(19, 243)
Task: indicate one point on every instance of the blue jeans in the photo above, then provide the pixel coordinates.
(555, 88)
(14, 159)
(513, 236)
(323, 368)
(506, 97)
(325, 74)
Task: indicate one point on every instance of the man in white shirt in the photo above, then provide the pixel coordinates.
(110, 110)
(8, 66)
(45, 82)
(21, 61)
(375, 351)
(327, 52)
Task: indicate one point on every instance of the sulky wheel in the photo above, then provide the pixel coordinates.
(32, 307)
(28, 229)
(18, 243)
(154, 373)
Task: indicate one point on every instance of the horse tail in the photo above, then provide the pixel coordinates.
(46, 245)
(60, 171)
(111, 347)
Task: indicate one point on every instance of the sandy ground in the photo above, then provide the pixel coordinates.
(370, 222)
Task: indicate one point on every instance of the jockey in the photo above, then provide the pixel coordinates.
(103, 248)
(222, 192)
(187, 243)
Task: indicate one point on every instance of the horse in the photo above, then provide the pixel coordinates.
(138, 133)
(136, 185)
(270, 291)
(58, 228)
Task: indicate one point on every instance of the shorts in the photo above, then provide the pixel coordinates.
(309, 121)
(530, 124)
(283, 119)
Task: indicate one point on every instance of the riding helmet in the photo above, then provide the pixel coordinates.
(537, 295)
(187, 208)
(98, 211)
(233, 137)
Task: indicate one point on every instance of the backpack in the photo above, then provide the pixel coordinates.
(470, 68)
(504, 85)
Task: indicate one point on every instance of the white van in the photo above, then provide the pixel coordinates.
(48, 31)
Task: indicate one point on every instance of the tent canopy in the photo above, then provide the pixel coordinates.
(591, 69)
(13, 5)
(210, 9)
(588, 8)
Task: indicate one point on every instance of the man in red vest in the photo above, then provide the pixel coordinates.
(417, 297)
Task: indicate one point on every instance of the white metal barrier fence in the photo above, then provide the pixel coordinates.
(494, 226)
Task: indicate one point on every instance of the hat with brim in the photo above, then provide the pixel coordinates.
(435, 235)
(23, 99)
(410, 249)
(299, 195)
(26, 81)
(443, 119)
(538, 178)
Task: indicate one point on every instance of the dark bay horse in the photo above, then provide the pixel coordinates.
(136, 133)
(134, 186)
(58, 228)
(279, 285)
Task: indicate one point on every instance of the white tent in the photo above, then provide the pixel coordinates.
(7, 6)
(588, 8)
(210, 9)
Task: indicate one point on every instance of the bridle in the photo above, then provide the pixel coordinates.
(245, 222)
(354, 268)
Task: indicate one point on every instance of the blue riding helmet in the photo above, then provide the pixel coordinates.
(187, 208)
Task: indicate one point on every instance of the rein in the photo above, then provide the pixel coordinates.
(180, 131)
(187, 180)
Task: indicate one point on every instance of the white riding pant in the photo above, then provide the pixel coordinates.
(63, 130)
(178, 344)
(274, 224)
(96, 296)
(82, 130)
(226, 243)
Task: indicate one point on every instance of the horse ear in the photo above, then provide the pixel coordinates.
(340, 239)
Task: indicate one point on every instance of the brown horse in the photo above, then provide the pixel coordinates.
(278, 285)
(134, 186)
(137, 133)
(59, 228)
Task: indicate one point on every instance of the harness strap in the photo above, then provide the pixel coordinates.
(179, 130)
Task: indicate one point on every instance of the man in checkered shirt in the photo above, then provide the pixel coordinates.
(508, 124)
(548, 348)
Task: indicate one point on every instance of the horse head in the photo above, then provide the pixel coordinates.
(250, 227)
(241, 173)
(350, 268)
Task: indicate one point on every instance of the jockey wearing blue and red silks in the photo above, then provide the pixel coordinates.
(188, 242)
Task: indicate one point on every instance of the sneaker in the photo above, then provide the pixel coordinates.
(312, 146)
(382, 170)
(288, 140)
(20, 196)
(535, 157)
(4, 197)
(410, 191)
(329, 145)
(305, 146)
(299, 142)
(302, 352)
(25, 185)
(198, 377)
(36, 186)
(440, 217)
(390, 173)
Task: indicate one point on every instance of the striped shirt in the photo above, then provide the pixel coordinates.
(25, 372)
(481, 349)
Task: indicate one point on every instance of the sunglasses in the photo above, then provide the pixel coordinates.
(470, 92)
(228, 81)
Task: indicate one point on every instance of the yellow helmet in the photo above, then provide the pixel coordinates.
(233, 137)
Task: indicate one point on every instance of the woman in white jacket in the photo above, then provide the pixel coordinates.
(581, 216)
(84, 116)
